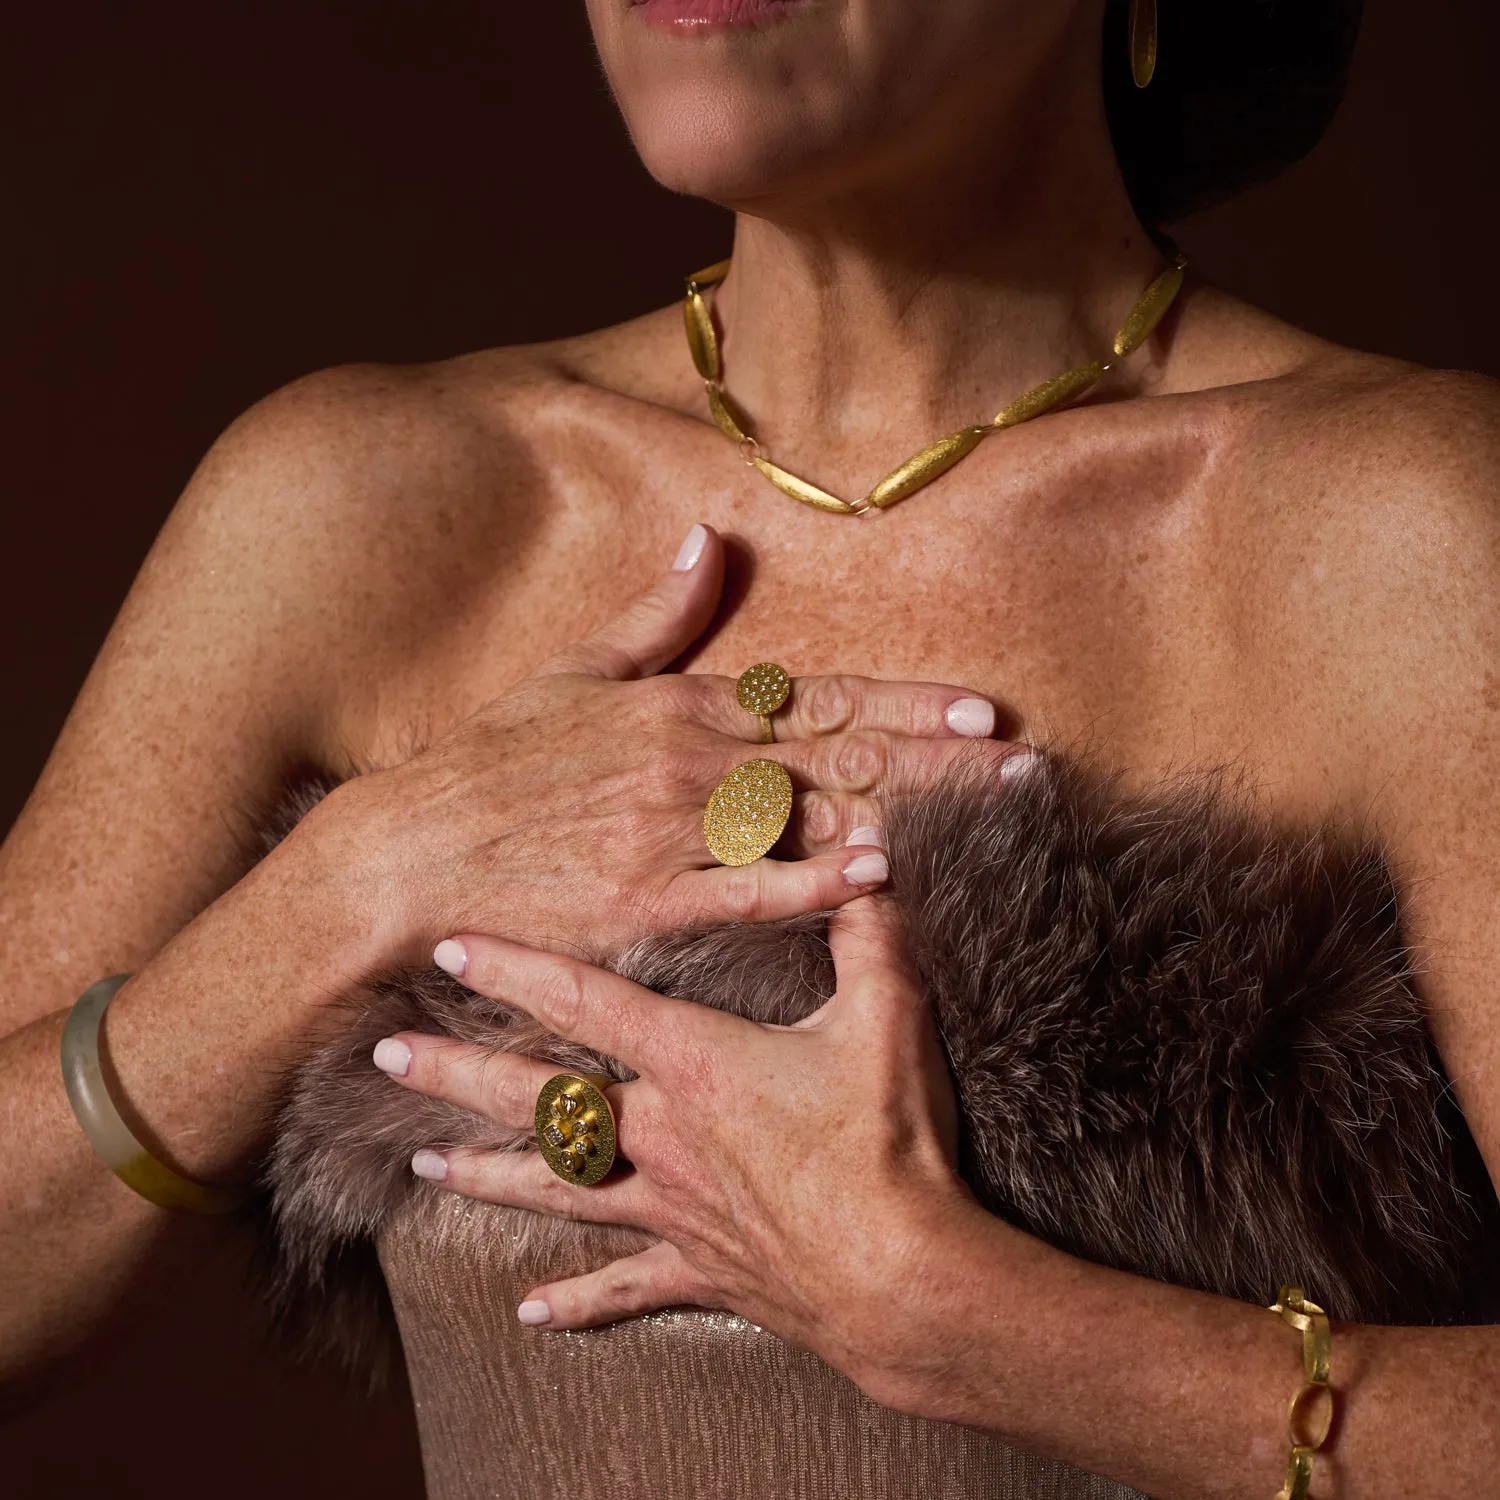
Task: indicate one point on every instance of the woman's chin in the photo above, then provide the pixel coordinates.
(736, 175)
(724, 144)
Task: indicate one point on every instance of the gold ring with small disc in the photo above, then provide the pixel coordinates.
(761, 690)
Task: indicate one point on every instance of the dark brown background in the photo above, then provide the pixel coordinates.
(203, 202)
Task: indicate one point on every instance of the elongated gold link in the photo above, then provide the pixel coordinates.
(922, 468)
(724, 415)
(702, 340)
(1150, 310)
(709, 275)
(800, 489)
(1042, 398)
(936, 458)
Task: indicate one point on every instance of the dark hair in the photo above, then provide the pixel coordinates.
(1243, 88)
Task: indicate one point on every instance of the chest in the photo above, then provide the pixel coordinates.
(1099, 591)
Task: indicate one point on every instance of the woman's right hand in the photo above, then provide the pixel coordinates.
(568, 812)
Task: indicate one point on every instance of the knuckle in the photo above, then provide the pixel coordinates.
(857, 761)
(677, 696)
(742, 895)
(696, 1074)
(827, 704)
(671, 1174)
(560, 999)
(560, 1199)
(619, 1286)
(821, 823)
(670, 769)
(503, 1084)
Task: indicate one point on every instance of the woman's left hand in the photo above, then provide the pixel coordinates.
(799, 1176)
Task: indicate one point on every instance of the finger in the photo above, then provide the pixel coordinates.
(655, 1278)
(869, 762)
(521, 1179)
(660, 625)
(868, 946)
(501, 1086)
(824, 821)
(770, 889)
(583, 1003)
(836, 704)
(879, 1000)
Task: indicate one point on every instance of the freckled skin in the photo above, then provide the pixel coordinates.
(1250, 547)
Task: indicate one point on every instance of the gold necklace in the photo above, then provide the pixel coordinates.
(937, 458)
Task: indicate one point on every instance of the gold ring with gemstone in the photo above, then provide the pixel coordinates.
(762, 689)
(575, 1127)
(747, 812)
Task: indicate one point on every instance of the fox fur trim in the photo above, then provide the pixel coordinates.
(1186, 1043)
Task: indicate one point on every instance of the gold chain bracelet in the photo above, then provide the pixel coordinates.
(1310, 1419)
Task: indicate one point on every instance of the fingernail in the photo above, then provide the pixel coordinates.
(430, 1164)
(1016, 762)
(451, 956)
(691, 549)
(866, 835)
(392, 1056)
(971, 717)
(866, 869)
(533, 1314)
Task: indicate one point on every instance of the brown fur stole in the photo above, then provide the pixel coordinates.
(1186, 1044)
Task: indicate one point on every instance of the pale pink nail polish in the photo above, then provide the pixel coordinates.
(392, 1056)
(1016, 763)
(533, 1314)
(867, 834)
(971, 717)
(452, 957)
(691, 550)
(867, 869)
(430, 1164)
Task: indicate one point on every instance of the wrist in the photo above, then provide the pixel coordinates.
(198, 1041)
(333, 879)
(938, 1287)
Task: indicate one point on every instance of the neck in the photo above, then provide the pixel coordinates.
(862, 323)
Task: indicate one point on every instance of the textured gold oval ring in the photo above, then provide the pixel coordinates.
(762, 689)
(575, 1127)
(747, 812)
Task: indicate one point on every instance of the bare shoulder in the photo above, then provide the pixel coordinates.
(1360, 460)
(1365, 528)
(1396, 466)
(367, 505)
(362, 466)
(408, 472)
(1393, 593)
(1400, 431)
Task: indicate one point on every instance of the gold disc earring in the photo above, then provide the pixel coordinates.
(1142, 41)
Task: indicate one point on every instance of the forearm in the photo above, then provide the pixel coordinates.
(1181, 1394)
(196, 1044)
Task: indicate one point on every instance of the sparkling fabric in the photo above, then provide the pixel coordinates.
(681, 1405)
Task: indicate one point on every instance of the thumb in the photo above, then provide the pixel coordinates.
(880, 997)
(660, 625)
(870, 961)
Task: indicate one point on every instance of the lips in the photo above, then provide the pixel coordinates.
(710, 15)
